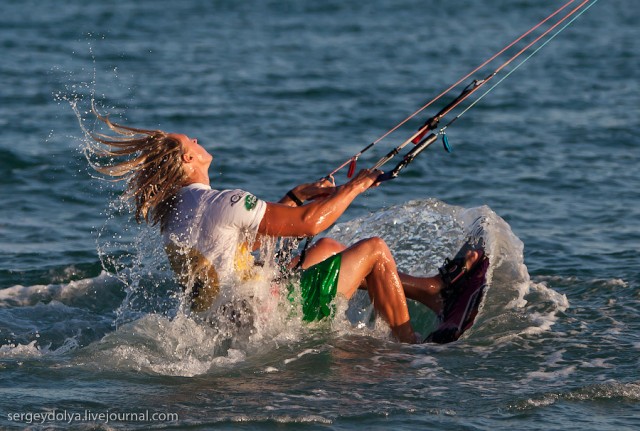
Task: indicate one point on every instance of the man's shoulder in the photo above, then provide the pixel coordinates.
(232, 199)
(230, 196)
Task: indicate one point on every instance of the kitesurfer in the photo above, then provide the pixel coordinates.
(209, 234)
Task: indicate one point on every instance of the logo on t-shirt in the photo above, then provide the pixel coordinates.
(250, 202)
(235, 198)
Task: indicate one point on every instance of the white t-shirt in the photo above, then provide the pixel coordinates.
(218, 224)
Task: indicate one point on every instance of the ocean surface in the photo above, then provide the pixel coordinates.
(93, 333)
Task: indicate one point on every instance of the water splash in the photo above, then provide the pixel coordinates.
(420, 233)
(156, 333)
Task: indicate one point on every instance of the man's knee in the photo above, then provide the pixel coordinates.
(378, 245)
(374, 248)
(330, 245)
(321, 250)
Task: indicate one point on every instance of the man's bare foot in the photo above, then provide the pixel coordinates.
(427, 290)
(404, 333)
(471, 258)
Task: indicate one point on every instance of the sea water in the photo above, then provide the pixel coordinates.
(93, 333)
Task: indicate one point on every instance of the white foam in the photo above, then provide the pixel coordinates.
(33, 350)
(554, 376)
(301, 354)
(544, 320)
(20, 350)
(19, 295)
(596, 363)
(602, 391)
(156, 344)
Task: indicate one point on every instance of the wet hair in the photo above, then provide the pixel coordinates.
(150, 161)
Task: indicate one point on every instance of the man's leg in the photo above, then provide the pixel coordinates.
(371, 260)
(425, 290)
(320, 250)
(422, 289)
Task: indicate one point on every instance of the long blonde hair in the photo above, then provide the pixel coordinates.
(150, 161)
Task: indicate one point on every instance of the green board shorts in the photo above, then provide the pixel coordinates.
(318, 287)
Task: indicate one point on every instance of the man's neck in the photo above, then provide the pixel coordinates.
(198, 177)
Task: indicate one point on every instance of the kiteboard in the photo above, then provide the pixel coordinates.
(463, 296)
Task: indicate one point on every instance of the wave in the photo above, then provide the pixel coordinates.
(90, 293)
(49, 320)
(615, 391)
